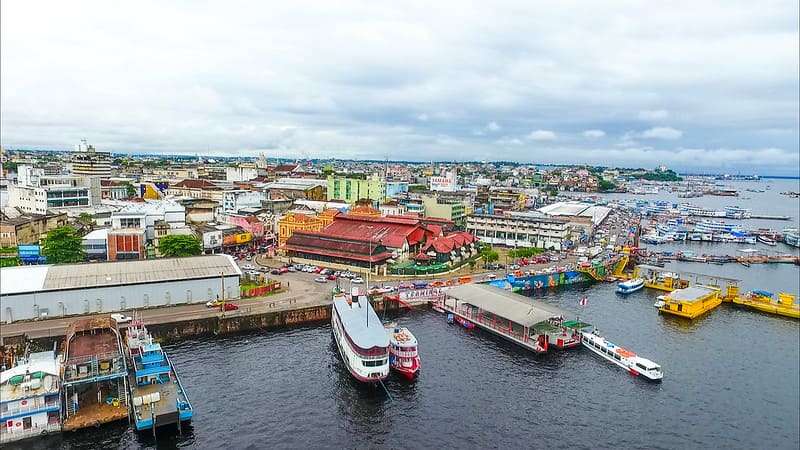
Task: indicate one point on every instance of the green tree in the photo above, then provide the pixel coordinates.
(178, 245)
(489, 255)
(605, 185)
(131, 191)
(63, 245)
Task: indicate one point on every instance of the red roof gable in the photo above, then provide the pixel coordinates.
(196, 184)
(391, 232)
(321, 244)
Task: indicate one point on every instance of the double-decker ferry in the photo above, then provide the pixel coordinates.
(360, 337)
(403, 352)
(157, 394)
(626, 359)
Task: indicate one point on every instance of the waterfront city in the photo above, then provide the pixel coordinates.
(246, 263)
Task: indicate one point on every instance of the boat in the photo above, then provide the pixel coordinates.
(360, 337)
(157, 395)
(465, 323)
(766, 241)
(659, 301)
(403, 352)
(626, 359)
(626, 287)
(791, 236)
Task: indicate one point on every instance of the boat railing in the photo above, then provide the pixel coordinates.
(181, 391)
(405, 354)
(33, 406)
(104, 364)
(36, 430)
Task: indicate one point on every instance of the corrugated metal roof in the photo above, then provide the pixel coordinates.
(524, 311)
(16, 280)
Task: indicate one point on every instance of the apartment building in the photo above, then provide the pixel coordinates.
(519, 231)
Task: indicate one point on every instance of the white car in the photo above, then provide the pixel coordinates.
(248, 267)
(358, 280)
(121, 318)
(321, 280)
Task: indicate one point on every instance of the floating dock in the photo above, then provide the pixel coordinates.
(532, 324)
(763, 301)
(691, 302)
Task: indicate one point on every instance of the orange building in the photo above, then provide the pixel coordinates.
(297, 222)
(328, 215)
(364, 210)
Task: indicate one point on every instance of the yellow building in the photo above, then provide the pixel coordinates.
(691, 302)
(292, 222)
(327, 216)
(364, 210)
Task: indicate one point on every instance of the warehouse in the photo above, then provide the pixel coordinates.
(29, 292)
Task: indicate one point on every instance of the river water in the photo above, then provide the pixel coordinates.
(731, 381)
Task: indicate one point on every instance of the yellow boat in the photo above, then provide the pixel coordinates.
(763, 301)
(691, 302)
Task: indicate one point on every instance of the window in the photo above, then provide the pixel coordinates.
(374, 362)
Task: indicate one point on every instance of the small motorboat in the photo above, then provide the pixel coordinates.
(626, 287)
(465, 323)
(450, 318)
(659, 302)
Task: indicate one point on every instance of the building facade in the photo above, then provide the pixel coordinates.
(519, 231)
(351, 190)
(292, 222)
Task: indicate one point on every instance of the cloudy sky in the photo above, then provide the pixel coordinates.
(706, 85)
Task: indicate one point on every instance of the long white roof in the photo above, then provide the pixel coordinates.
(24, 279)
(361, 323)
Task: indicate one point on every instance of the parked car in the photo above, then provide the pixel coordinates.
(214, 303)
(358, 280)
(248, 267)
(275, 271)
(229, 307)
(405, 285)
(321, 279)
(121, 318)
(291, 269)
(331, 277)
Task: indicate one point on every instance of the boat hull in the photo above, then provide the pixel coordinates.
(339, 339)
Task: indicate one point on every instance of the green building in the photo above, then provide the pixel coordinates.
(446, 208)
(351, 189)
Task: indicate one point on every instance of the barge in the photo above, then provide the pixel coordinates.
(691, 302)
(764, 301)
(532, 324)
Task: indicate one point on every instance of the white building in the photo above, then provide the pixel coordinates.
(446, 183)
(29, 292)
(240, 173)
(36, 192)
(145, 216)
(30, 397)
(511, 231)
(233, 201)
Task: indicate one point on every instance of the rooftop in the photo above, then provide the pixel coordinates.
(690, 294)
(361, 323)
(26, 279)
(500, 302)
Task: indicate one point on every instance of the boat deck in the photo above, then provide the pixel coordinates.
(93, 344)
(93, 414)
(165, 410)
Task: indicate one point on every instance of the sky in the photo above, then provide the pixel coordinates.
(695, 85)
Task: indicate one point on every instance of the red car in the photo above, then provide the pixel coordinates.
(229, 307)
(331, 277)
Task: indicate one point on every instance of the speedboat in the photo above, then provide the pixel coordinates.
(626, 287)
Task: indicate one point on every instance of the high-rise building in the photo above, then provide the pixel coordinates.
(89, 162)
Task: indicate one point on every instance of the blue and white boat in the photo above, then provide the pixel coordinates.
(626, 287)
(157, 395)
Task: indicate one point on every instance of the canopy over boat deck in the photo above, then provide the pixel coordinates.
(522, 310)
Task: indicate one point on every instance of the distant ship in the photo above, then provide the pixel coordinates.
(360, 337)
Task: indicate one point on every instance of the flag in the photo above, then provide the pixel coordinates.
(584, 301)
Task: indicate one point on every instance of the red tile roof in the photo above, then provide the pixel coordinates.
(197, 184)
(392, 232)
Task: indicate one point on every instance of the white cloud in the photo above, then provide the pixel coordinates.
(541, 135)
(653, 114)
(493, 126)
(234, 77)
(594, 134)
(661, 133)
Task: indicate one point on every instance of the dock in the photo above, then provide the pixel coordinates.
(531, 324)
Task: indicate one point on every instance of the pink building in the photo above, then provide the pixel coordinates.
(248, 223)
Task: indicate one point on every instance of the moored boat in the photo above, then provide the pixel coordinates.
(157, 395)
(626, 359)
(403, 352)
(626, 287)
(766, 241)
(360, 337)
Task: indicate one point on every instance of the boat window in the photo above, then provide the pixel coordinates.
(596, 345)
(641, 366)
(617, 357)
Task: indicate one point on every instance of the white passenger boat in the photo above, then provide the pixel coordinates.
(626, 287)
(767, 241)
(626, 359)
(360, 337)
